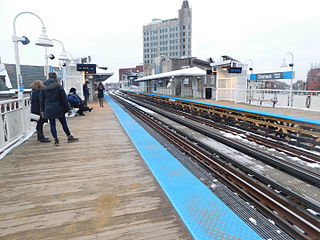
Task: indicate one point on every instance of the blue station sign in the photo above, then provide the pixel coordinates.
(272, 76)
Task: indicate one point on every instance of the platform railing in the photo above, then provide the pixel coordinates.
(308, 100)
(15, 121)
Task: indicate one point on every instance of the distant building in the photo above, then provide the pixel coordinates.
(169, 38)
(299, 85)
(128, 75)
(125, 71)
(165, 64)
(313, 78)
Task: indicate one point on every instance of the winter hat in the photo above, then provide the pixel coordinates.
(72, 90)
(52, 76)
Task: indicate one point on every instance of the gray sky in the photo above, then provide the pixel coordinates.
(111, 30)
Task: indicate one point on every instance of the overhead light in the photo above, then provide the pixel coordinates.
(224, 68)
(43, 40)
(51, 56)
(63, 56)
(25, 40)
(284, 64)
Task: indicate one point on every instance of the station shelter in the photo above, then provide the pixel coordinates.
(187, 82)
(230, 76)
(226, 80)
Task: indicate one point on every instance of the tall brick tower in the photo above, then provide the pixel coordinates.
(167, 38)
(185, 26)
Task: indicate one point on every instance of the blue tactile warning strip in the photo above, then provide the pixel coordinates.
(305, 120)
(205, 215)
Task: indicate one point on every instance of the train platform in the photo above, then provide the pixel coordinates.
(97, 188)
(117, 182)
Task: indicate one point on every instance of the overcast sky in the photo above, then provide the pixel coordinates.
(111, 30)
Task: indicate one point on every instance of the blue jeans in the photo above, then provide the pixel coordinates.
(64, 125)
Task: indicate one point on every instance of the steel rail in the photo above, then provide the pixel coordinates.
(304, 200)
(305, 135)
(286, 216)
(300, 153)
(302, 173)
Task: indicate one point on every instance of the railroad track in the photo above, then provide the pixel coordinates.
(313, 177)
(293, 220)
(296, 133)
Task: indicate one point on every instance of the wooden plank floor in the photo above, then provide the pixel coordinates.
(97, 188)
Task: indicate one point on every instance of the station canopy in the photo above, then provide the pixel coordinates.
(100, 75)
(186, 72)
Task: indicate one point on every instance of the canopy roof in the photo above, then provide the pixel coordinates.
(100, 75)
(100, 71)
(186, 72)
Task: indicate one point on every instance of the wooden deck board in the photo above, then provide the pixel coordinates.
(97, 188)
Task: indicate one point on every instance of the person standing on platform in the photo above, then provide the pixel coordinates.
(100, 93)
(54, 105)
(35, 109)
(86, 92)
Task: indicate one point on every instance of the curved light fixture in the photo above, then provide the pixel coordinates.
(251, 64)
(43, 40)
(63, 56)
(284, 62)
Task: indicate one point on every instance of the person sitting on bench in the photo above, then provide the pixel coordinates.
(76, 102)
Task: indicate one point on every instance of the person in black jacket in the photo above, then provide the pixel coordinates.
(35, 109)
(100, 93)
(54, 104)
(86, 92)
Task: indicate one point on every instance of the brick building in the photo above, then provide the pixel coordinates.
(125, 71)
(313, 79)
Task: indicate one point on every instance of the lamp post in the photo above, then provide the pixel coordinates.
(42, 41)
(251, 64)
(284, 64)
(62, 57)
(247, 82)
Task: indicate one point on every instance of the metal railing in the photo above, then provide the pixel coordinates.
(15, 121)
(281, 98)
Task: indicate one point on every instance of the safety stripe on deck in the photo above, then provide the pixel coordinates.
(205, 215)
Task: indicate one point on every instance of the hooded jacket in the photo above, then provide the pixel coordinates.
(53, 100)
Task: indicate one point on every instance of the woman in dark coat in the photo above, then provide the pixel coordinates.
(35, 109)
(100, 93)
(53, 104)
